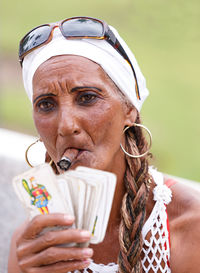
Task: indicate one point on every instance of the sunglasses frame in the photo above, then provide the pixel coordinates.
(108, 35)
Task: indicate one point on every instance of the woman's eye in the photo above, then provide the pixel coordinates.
(87, 98)
(45, 105)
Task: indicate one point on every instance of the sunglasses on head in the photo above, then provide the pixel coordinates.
(73, 28)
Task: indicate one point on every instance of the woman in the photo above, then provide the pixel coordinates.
(86, 94)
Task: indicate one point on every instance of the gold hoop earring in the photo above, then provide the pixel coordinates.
(150, 143)
(26, 154)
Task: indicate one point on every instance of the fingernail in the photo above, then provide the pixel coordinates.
(68, 217)
(87, 261)
(87, 252)
(85, 234)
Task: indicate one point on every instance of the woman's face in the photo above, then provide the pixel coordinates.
(79, 114)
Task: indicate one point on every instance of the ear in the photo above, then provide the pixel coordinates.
(130, 116)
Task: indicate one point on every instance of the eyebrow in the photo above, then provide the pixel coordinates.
(71, 91)
(84, 87)
(44, 95)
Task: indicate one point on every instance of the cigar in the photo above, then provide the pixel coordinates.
(67, 159)
(64, 164)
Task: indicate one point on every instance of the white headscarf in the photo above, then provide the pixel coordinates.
(99, 51)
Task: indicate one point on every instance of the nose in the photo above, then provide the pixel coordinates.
(68, 123)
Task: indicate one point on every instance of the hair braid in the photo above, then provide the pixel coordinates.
(134, 203)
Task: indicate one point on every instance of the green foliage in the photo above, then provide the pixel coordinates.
(164, 35)
(15, 111)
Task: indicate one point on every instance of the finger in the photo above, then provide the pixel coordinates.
(54, 255)
(52, 238)
(40, 222)
(62, 267)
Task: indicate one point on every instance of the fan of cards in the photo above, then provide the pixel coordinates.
(85, 193)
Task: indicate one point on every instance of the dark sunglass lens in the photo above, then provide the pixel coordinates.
(79, 27)
(35, 38)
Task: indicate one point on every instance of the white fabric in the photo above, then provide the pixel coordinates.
(101, 268)
(99, 51)
(156, 250)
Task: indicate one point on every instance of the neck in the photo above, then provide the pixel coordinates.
(115, 214)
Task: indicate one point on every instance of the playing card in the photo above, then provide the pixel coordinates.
(81, 203)
(38, 191)
(64, 190)
(85, 193)
(108, 181)
(93, 195)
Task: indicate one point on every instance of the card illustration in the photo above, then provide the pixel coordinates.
(38, 193)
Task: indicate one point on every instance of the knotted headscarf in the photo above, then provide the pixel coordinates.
(99, 51)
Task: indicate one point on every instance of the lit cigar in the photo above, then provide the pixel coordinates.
(65, 163)
(67, 159)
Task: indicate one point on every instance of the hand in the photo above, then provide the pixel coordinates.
(40, 253)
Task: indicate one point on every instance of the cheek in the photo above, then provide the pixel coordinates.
(107, 125)
(46, 127)
(106, 131)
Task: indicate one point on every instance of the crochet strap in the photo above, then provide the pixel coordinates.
(156, 235)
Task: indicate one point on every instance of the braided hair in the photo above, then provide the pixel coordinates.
(133, 210)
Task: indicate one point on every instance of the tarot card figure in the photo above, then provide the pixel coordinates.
(38, 194)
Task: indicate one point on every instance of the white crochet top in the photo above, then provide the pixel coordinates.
(156, 250)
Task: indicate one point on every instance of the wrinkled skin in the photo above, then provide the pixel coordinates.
(82, 112)
(78, 113)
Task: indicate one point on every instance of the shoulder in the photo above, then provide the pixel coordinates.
(185, 201)
(184, 219)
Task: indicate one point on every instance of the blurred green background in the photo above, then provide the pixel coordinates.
(163, 34)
